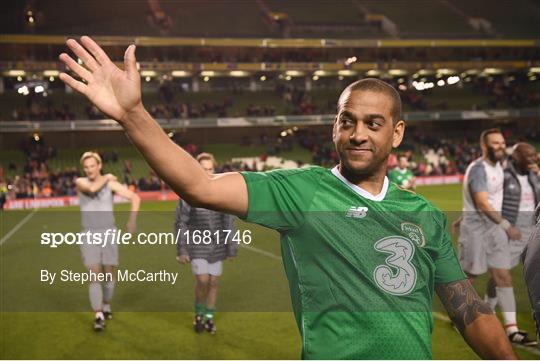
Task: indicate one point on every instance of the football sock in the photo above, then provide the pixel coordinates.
(96, 295)
(491, 301)
(200, 308)
(108, 290)
(507, 303)
(106, 307)
(209, 314)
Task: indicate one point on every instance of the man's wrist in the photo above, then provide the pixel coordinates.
(137, 111)
(505, 224)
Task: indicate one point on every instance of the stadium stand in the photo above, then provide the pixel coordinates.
(341, 19)
(502, 16)
(428, 19)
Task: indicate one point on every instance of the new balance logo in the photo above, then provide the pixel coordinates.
(357, 212)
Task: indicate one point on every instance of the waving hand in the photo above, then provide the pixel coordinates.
(114, 91)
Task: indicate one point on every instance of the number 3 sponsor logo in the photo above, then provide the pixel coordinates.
(398, 275)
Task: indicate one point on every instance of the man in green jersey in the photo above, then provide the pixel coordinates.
(363, 258)
(402, 175)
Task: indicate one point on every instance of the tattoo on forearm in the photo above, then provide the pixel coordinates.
(462, 303)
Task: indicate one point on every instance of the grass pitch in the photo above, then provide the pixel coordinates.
(154, 320)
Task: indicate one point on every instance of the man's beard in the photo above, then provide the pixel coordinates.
(492, 156)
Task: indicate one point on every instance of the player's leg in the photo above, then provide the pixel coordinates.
(531, 270)
(211, 298)
(507, 304)
(110, 263)
(215, 270)
(472, 248)
(499, 257)
(491, 294)
(91, 256)
(202, 279)
(108, 290)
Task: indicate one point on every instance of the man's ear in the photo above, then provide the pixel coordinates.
(334, 128)
(399, 131)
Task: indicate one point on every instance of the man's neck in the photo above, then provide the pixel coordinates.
(489, 161)
(372, 183)
(97, 178)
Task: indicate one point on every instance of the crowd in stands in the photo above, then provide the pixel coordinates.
(291, 99)
(36, 109)
(36, 178)
(428, 156)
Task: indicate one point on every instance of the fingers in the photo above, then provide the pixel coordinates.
(75, 67)
(130, 63)
(81, 52)
(95, 49)
(77, 85)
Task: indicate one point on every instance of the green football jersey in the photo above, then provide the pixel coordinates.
(402, 178)
(361, 268)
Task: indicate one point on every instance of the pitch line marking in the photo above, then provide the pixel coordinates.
(260, 251)
(442, 317)
(17, 226)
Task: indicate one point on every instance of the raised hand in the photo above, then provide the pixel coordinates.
(114, 91)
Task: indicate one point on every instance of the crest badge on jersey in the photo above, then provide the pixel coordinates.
(414, 233)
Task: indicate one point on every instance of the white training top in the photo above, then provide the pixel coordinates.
(482, 177)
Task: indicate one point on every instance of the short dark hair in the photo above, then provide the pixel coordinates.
(378, 86)
(402, 155)
(485, 134)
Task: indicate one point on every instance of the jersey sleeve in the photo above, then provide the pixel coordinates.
(279, 199)
(447, 267)
(477, 179)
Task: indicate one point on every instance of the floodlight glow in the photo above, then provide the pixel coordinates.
(347, 72)
(493, 71)
(148, 73)
(445, 71)
(16, 73)
(351, 60)
(50, 73)
(294, 73)
(180, 73)
(373, 72)
(238, 73)
(452, 80)
(397, 72)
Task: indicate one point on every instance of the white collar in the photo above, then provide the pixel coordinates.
(359, 190)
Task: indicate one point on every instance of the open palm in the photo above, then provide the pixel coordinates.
(113, 91)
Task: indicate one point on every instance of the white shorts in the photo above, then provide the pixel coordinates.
(483, 245)
(518, 246)
(200, 266)
(96, 254)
